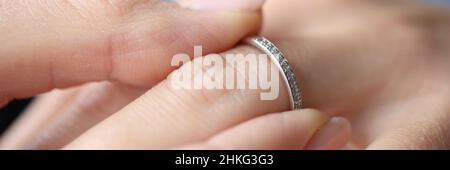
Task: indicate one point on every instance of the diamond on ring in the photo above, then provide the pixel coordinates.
(282, 63)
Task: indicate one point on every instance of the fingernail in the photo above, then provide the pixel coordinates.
(333, 135)
(222, 5)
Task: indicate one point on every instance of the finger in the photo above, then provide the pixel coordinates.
(167, 117)
(51, 125)
(288, 130)
(313, 56)
(127, 41)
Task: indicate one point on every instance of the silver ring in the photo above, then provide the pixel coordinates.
(282, 63)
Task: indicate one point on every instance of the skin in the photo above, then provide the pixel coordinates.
(89, 41)
(99, 42)
(382, 64)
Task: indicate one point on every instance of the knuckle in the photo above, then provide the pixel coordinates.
(193, 75)
(134, 42)
(207, 79)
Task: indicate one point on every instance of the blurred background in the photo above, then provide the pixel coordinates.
(9, 113)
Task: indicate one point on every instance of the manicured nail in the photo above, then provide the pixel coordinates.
(333, 135)
(223, 5)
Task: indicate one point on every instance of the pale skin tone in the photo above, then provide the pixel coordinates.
(384, 65)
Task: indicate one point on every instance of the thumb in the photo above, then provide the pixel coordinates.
(67, 43)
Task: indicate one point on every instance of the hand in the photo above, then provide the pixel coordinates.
(65, 43)
(345, 68)
(382, 64)
(59, 117)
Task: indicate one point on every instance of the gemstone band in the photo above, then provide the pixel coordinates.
(277, 57)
